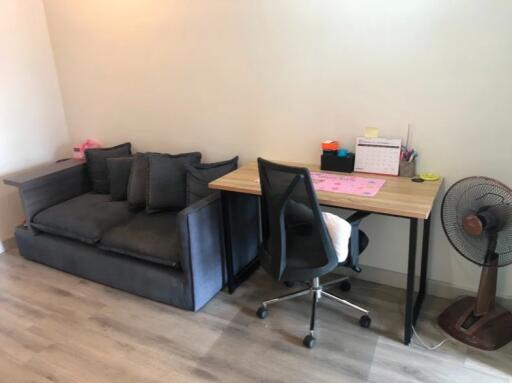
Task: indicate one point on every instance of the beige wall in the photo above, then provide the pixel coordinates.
(32, 124)
(274, 78)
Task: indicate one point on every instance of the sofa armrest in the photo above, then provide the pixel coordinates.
(49, 185)
(202, 248)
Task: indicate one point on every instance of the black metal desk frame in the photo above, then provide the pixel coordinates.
(412, 304)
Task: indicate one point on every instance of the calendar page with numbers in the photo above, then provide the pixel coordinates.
(378, 155)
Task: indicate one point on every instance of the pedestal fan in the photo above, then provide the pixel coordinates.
(477, 218)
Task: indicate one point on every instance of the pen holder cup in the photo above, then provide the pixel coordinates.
(337, 164)
(407, 169)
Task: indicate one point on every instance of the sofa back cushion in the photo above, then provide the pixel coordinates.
(200, 175)
(119, 174)
(167, 179)
(97, 164)
(137, 181)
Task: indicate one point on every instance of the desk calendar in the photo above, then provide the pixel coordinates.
(378, 155)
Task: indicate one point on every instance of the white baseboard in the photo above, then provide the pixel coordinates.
(396, 279)
(7, 244)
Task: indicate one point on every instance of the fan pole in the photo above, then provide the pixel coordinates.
(486, 299)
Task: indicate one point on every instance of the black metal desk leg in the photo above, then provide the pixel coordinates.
(241, 236)
(424, 268)
(409, 300)
(228, 249)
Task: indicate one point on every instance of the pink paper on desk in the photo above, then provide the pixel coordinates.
(361, 186)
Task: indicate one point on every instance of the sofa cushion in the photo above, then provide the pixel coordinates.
(97, 164)
(118, 174)
(167, 180)
(136, 192)
(84, 218)
(200, 175)
(150, 237)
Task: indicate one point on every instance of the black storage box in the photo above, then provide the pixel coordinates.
(337, 164)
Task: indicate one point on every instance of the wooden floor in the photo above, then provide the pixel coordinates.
(55, 327)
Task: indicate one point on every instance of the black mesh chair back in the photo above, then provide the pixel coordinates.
(296, 245)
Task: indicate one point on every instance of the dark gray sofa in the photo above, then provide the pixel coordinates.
(171, 257)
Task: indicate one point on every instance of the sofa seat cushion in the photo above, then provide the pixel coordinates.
(152, 237)
(84, 218)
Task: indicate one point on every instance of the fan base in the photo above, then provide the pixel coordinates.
(488, 332)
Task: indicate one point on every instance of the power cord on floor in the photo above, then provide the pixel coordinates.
(421, 343)
(426, 346)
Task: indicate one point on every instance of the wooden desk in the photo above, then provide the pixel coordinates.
(399, 197)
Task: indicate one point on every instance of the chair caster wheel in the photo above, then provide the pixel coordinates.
(345, 286)
(309, 341)
(365, 321)
(262, 312)
(289, 284)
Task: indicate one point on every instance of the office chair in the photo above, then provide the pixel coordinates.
(296, 245)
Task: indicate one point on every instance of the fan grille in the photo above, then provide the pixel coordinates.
(467, 196)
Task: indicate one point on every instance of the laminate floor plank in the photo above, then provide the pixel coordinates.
(394, 362)
(13, 372)
(56, 327)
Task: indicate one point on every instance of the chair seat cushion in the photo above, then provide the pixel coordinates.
(152, 237)
(84, 218)
(339, 230)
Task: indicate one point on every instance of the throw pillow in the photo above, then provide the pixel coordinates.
(97, 164)
(136, 191)
(200, 175)
(118, 174)
(167, 180)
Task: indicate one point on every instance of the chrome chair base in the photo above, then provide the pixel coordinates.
(317, 291)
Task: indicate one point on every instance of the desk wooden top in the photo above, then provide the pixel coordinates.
(399, 196)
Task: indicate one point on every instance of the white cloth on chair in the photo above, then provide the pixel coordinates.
(339, 231)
